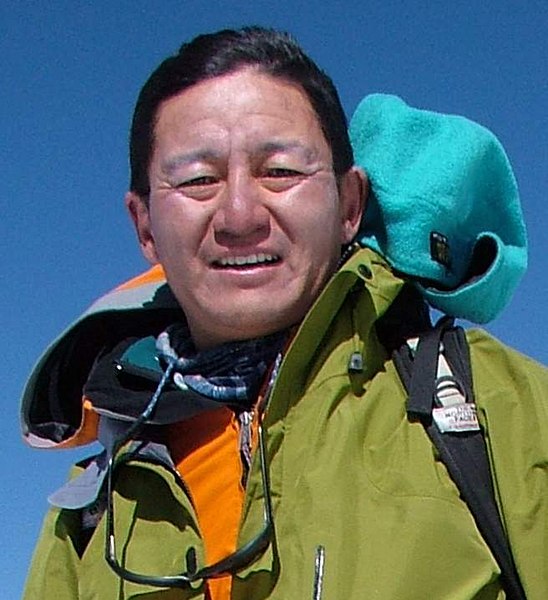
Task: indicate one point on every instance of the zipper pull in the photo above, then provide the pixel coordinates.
(246, 419)
(319, 568)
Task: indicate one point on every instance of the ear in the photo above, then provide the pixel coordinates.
(140, 215)
(353, 191)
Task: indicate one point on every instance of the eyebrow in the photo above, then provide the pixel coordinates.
(268, 148)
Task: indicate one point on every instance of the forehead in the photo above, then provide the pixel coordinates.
(244, 103)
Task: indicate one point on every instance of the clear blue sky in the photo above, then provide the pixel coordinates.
(69, 75)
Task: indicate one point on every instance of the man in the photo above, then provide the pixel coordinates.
(255, 433)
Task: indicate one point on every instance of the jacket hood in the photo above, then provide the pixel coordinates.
(51, 410)
(67, 390)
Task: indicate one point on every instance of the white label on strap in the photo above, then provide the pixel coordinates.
(460, 417)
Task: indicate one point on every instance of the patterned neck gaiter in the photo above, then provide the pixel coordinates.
(231, 373)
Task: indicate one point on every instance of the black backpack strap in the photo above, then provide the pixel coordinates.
(463, 451)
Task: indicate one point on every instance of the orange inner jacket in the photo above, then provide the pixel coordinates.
(206, 452)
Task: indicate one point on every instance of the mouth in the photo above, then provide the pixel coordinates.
(242, 262)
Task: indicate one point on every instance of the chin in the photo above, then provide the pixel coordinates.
(255, 325)
(243, 324)
(246, 316)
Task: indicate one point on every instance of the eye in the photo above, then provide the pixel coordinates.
(282, 172)
(280, 179)
(203, 187)
(204, 180)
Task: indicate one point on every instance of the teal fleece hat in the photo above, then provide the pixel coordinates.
(443, 206)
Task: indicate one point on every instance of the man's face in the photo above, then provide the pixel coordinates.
(245, 214)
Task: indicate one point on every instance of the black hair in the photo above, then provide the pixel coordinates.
(211, 55)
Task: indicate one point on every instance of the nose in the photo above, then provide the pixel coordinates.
(241, 215)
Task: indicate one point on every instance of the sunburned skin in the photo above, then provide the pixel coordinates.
(245, 212)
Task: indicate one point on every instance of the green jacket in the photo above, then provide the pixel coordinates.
(349, 473)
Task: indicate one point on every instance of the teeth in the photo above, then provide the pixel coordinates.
(252, 259)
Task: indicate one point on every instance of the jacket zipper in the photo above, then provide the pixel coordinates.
(319, 568)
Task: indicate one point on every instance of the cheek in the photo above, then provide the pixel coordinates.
(323, 234)
(311, 210)
(320, 229)
(176, 229)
